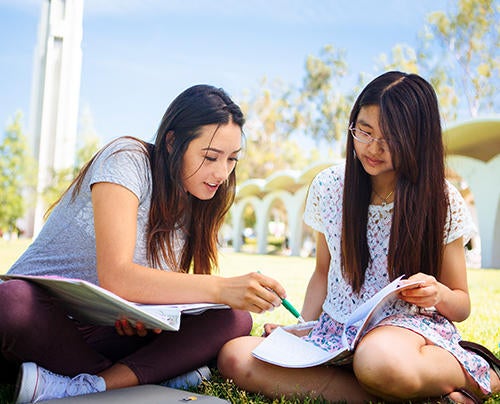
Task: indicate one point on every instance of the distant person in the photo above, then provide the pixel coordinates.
(142, 221)
(389, 211)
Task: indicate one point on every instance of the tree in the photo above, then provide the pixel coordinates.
(405, 58)
(17, 171)
(323, 103)
(269, 146)
(458, 53)
(469, 41)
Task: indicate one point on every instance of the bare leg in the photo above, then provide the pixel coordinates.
(459, 397)
(118, 376)
(396, 363)
(332, 383)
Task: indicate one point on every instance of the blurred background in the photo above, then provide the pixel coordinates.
(294, 66)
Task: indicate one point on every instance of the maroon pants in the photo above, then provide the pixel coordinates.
(35, 328)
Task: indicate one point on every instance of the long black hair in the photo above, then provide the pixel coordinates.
(410, 122)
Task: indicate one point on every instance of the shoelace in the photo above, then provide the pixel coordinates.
(82, 384)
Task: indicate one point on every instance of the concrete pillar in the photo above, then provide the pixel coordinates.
(54, 96)
(482, 179)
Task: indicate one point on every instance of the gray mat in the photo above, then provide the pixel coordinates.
(145, 394)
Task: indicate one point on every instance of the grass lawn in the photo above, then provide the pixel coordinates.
(293, 272)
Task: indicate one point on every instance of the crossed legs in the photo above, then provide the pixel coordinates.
(332, 383)
(390, 363)
(34, 328)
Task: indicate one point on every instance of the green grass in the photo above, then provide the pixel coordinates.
(293, 272)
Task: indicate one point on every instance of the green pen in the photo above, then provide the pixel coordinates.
(287, 305)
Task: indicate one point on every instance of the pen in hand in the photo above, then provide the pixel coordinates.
(287, 305)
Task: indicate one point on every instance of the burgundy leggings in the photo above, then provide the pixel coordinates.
(34, 328)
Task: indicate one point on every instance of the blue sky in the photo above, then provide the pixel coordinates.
(139, 54)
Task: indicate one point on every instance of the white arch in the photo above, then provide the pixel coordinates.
(262, 216)
(289, 186)
(484, 183)
(482, 178)
(295, 214)
(237, 211)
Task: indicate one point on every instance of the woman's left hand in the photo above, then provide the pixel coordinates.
(426, 294)
(124, 327)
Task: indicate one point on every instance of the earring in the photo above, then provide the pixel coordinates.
(354, 154)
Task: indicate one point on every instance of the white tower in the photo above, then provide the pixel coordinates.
(54, 95)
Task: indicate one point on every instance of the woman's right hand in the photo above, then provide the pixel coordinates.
(299, 331)
(253, 292)
(269, 328)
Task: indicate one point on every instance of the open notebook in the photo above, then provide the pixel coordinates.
(92, 304)
(287, 350)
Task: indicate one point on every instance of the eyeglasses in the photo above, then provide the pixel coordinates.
(363, 137)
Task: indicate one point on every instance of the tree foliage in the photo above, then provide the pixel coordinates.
(468, 56)
(269, 145)
(458, 53)
(322, 106)
(17, 173)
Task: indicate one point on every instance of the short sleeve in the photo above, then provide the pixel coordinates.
(324, 199)
(123, 162)
(459, 221)
(312, 213)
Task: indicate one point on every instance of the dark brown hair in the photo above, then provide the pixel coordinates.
(410, 122)
(171, 207)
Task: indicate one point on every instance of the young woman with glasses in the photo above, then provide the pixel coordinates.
(387, 212)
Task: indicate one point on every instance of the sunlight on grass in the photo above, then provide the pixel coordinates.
(293, 273)
(10, 250)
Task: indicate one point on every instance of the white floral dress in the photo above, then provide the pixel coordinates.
(323, 213)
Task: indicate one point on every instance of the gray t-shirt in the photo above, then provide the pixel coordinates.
(66, 244)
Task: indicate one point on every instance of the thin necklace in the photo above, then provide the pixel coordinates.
(384, 200)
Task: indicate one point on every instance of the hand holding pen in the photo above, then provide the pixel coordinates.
(287, 305)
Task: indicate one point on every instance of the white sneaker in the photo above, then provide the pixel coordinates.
(190, 379)
(36, 384)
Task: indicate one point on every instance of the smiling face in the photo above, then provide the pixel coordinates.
(375, 156)
(210, 158)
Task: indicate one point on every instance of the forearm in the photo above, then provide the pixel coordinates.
(317, 287)
(454, 304)
(253, 291)
(315, 296)
(454, 300)
(146, 285)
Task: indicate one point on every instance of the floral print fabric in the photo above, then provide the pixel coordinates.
(323, 213)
